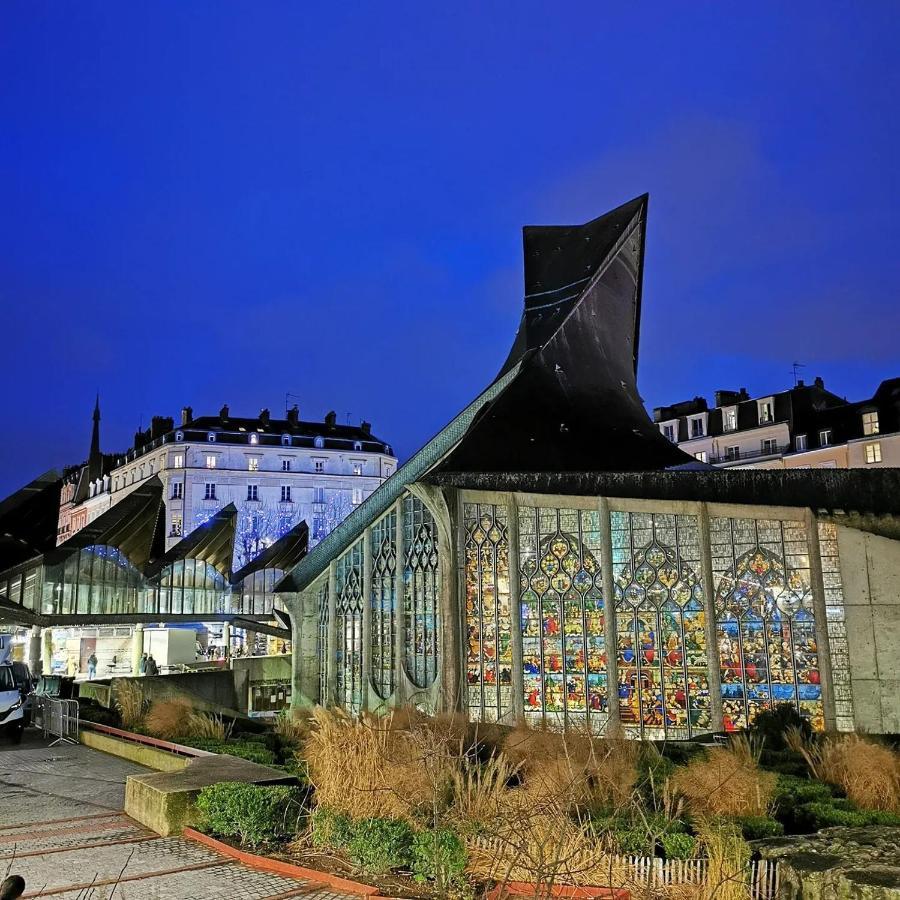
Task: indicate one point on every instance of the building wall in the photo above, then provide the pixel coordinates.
(870, 569)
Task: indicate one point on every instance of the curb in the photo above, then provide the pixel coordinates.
(281, 868)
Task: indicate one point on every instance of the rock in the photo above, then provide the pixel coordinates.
(837, 864)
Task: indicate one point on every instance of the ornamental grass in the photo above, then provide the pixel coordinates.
(130, 704)
(205, 726)
(867, 772)
(168, 719)
(292, 727)
(726, 781)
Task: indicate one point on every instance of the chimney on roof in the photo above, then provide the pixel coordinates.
(365, 427)
(293, 415)
(187, 414)
(330, 419)
(744, 395)
(800, 383)
(819, 383)
(160, 425)
(223, 414)
(264, 417)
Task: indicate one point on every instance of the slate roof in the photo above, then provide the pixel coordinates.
(29, 518)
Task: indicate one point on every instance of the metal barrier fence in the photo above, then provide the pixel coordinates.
(58, 718)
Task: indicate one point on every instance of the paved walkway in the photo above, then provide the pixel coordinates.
(63, 830)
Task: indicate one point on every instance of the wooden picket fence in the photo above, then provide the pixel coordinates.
(652, 872)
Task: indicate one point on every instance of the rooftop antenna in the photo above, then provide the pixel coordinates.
(794, 367)
(288, 396)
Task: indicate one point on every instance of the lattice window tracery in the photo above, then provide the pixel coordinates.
(422, 585)
(384, 585)
(349, 615)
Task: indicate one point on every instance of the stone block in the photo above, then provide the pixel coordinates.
(867, 704)
(164, 801)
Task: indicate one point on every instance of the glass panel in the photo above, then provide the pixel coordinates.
(384, 580)
(660, 626)
(488, 612)
(764, 619)
(322, 601)
(349, 608)
(422, 583)
(562, 611)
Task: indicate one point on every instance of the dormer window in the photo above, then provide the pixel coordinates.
(254, 438)
(319, 442)
(870, 422)
(766, 410)
(357, 445)
(698, 426)
(387, 449)
(729, 418)
(211, 437)
(179, 436)
(285, 440)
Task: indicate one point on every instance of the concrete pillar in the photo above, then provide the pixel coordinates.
(249, 642)
(226, 638)
(137, 648)
(609, 614)
(331, 645)
(35, 660)
(47, 652)
(820, 612)
(714, 671)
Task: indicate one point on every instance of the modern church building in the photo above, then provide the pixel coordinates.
(550, 555)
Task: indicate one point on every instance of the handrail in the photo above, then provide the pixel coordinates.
(158, 743)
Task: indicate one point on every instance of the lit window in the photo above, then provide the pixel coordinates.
(357, 468)
(766, 410)
(176, 526)
(254, 438)
(701, 455)
(286, 493)
(769, 445)
(211, 437)
(253, 464)
(697, 429)
(210, 461)
(179, 435)
(178, 461)
(285, 465)
(319, 442)
(873, 453)
(669, 432)
(210, 493)
(825, 438)
(253, 492)
(729, 419)
(870, 423)
(357, 496)
(732, 453)
(800, 442)
(319, 465)
(318, 495)
(177, 490)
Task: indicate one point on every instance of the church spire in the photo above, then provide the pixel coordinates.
(95, 460)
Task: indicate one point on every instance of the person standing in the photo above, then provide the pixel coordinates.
(92, 666)
(152, 667)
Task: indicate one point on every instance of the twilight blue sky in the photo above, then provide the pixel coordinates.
(208, 202)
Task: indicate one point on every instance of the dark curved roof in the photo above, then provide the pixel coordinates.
(29, 519)
(284, 554)
(212, 542)
(574, 405)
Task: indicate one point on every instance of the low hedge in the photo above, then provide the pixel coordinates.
(255, 814)
(438, 856)
(252, 751)
(378, 845)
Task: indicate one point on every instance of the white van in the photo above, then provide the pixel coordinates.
(12, 697)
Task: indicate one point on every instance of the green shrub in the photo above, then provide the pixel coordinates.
(841, 812)
(770, 725)
(250, 812)
(677, 845)
(380, 845)
(754, 828)
(252, 751)
(330, 829)
(791, 790)
(632, 841)
(438, 856)
(653, 772)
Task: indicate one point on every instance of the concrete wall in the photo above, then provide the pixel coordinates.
(870, 569)
(211, 691)
(258, 668)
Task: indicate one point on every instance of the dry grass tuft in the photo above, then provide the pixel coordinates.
(293, 726)
(868, 772)
(728, 863)
(206, 726)
(130, 704)
(168, 719)
(378, 766)
(726, 781)
(479, 793)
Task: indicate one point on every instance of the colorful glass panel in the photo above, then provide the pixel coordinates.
(384, 581)
(488, 620)
(663, 681)
(422, 586)
(765, 625)
(348, 615)
(562, 614)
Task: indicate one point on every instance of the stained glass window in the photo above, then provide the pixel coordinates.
(348, 615)
(837, 626)
(563, 642)
(661, 648)
(384, 570)
(422, 584)
(764, 619)
(322, 603)
(488, 621)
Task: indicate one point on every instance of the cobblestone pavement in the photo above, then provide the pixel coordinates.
(63, 830)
